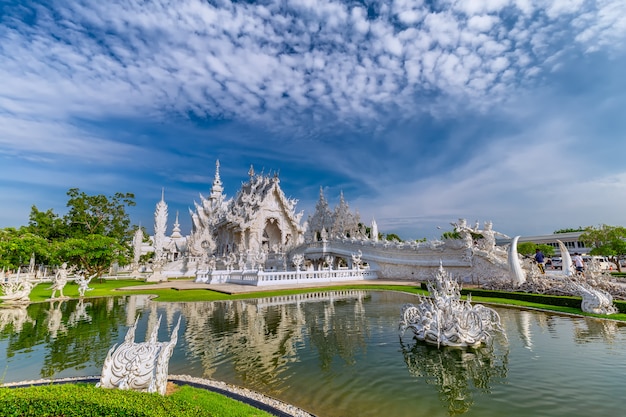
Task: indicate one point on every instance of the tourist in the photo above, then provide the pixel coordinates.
(539, 259)
(578, 263)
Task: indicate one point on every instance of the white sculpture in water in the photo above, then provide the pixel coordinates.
(139, 366)
(442, 319)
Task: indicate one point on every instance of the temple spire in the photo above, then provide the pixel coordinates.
(160, 226)
(176, 230)
(217, 189)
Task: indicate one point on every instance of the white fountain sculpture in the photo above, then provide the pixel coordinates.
(139, 366)
(442, 319)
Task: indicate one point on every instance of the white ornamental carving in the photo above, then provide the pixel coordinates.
(442, 319)
(139, 366)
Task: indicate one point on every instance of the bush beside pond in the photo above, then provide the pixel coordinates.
(545, 299)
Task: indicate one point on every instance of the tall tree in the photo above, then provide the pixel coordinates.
(18, 245)
(94, 254)
(94, 234)
(609, 241)
(46, 224)
(98, 214)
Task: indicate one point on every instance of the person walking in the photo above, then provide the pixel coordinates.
(579, 264)
(539, 258)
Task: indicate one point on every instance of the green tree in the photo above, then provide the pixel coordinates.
(392, 237)
(46, 224)
(528, 249)
(570, 230)
(450, 235)
(94, 234)
(93, 253)
(17, 247)
(609, 241)
(98, 214)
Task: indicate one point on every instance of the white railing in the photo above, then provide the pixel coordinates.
(267, 278)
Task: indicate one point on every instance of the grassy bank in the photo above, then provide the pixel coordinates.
(107, 288)
(85, 400)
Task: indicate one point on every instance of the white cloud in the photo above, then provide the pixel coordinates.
(297, 68)
(482, 23)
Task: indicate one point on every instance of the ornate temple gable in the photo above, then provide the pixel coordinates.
(206, 216)
(339, 223)
(259, 199)
(345, 223)
(322, 219)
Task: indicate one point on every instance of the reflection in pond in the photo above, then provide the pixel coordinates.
(336, 354)
(455, 371)
(70, 333)
(14, 317)
(261, 337)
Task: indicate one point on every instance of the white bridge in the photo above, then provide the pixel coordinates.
(266, 278)
(355, 260)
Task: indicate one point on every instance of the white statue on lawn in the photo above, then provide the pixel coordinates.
(59, 281)
(83, 283)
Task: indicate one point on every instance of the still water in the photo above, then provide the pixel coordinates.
(336, 354)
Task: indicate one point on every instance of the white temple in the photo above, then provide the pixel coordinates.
(258, 238)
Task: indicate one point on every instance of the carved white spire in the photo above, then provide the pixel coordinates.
(176, 231)
(160, 226)
(345, 223)
(217, 189)
(374, 230)
(137, 241)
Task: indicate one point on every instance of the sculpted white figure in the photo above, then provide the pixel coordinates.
(594, 300)
(16, 291)
(139, 366)
(356, 259)
(297, 260)
(83, 283)
(488, 242)
(59, 281)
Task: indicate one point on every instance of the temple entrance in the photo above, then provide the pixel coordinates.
(272, 236)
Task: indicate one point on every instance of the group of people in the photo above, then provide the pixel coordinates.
(577, 261)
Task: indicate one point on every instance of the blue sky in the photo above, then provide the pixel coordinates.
(421, 112)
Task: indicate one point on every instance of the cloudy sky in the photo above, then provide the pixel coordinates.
(420, 111)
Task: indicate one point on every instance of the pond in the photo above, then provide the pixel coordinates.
(336, 354)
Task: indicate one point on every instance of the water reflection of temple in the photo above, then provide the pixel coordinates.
(262, 336)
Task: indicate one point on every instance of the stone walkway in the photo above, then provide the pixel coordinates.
(244, 289)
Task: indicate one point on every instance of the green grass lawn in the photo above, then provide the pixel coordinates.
(85, 400)
(111, 287)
